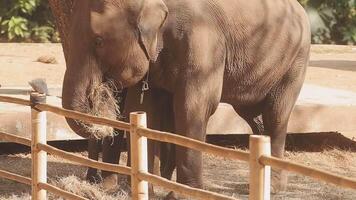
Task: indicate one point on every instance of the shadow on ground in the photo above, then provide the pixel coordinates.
(309, 142)
(346, 65)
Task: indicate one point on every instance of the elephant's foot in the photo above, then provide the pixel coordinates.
(110, 182)
(171, 196)
(93, 177)
(279, 181)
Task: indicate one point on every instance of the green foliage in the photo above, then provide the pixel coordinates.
(26, 20)
(332, 21)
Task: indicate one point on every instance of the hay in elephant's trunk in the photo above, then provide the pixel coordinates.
(101, 102)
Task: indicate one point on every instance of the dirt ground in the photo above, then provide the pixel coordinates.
(220, 175)
(18, 66)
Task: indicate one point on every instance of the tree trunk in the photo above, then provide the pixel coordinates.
(62, 10)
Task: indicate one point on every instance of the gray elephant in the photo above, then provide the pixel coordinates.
(194, 54)
(110, 146)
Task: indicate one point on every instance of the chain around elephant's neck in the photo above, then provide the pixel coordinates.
(145, 86)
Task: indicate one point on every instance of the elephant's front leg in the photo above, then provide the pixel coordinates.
(189, 162)
(94, 147)
(111, 154)
(192, 108)
(112, 146)
(152, 108)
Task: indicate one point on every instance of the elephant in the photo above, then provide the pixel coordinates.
(192, 55)
(110, 146)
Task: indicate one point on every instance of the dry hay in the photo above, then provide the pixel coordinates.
(82, 188)
(220, 175)
(61, 173)
(101, 102)
(17, 197)
(79, 187)
(47, 59)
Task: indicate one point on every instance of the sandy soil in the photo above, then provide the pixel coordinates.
(220, 175)
(333, 66)
(18, 66)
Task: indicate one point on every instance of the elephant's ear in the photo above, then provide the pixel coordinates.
(152, 16)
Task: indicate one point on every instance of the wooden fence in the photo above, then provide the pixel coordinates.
(259, 158)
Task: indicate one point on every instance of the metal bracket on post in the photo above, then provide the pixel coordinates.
(260, 175)
(39, 158)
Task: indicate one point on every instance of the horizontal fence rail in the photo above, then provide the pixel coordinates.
(308, 171)
(193, 144)
(182, 189)
(70, 113)
(85, 161)
(84, 117)
(15, 177)
(14, 100)
(259, 163)
(60, 192)
(15, 139)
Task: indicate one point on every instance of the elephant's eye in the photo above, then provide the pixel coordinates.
(99, 42)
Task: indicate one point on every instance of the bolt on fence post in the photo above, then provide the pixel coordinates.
(139, 161)
(260, 175)
(39, 158)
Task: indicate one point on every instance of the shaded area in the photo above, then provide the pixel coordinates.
(310, 142)
(346, 65)
(70, 145)
(67, 145)
(317, 142)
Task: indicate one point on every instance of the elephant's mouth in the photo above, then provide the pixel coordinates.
(101, 101)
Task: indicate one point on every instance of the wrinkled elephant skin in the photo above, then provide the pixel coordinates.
(251, 54)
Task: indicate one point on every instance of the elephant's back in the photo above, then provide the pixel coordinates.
(239, 20)
(263, 41)
(262, 38)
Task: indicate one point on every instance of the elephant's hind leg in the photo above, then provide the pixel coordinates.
(167, 157)
(252, 115)
(278, 107)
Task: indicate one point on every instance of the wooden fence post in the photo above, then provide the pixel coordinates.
(260, 175)
(139, 161)
(39, 158)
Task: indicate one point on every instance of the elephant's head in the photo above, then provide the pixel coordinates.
(111, 43)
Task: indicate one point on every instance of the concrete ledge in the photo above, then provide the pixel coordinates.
(304, 119)
(15, 119)
(20, 124)
(53, 90)
(318, 109)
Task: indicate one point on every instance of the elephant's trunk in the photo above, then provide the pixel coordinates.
(85, 91)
